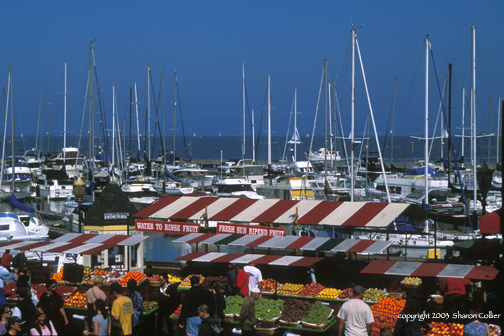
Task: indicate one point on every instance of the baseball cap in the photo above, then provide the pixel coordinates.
(358, 289)
(16, 320)
(255, 290)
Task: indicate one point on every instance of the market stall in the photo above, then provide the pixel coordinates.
(95, 249)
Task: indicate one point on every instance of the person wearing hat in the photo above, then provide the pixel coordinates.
(13, 326)
(355, 315)
(247, 319)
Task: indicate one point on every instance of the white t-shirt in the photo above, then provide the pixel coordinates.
(255, 276)
(357, 315)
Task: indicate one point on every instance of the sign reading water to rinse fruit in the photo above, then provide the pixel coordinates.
(166, 227)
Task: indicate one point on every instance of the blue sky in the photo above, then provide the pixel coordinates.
(206, 41)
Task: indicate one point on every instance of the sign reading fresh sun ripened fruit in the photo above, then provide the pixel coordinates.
(166, 227)
(250, 230)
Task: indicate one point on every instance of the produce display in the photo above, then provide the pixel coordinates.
(63, 290)
(186, 283)
(374, 294)
(329, 293)
(290, 289)
(442, 328)
(171, 278)
(294, 310)
(101, 272)
(221, 280)
(269, 285)
(268, 310)
(78, 300)
(346, 294)
(176, 313)
(311, 290)
(149, 305)
(318, 314)
(385, 313)
(233, 305)
(411, 281)
(139, 277)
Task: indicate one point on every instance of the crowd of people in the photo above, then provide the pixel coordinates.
(202, 310)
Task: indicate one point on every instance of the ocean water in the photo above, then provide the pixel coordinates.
(404, 149)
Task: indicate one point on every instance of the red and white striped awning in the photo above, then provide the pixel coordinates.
(80, 243)
(246, 210)
(288, 243)
(260, 259)
(419, 269)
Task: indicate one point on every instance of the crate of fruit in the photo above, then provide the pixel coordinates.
(411, 282)
(269, 286)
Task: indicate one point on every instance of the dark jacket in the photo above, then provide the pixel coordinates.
(168, 304)
(247, 319)
(195, 297)
(220, 305)
(27, 309)
(205, 328)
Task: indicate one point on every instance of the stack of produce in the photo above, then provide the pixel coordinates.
(294, 311)
(173, 279)
(87, 274)
(346, 294)
(40, 289)
(317, 315)
(149, 305)
(268, 310)
(58, 277)
(77, 300)
(311, 290)
(374, 294)
(139, 277)
(186, 283)
(397, 293)
(101, 272)
(233, 305)
(385, 313)
(10, 290)
(176, 313)
(154, 278)
(442, 328)
(290, 289)
(329, 293)
(411, 282)
(269, 285)
(221, 280)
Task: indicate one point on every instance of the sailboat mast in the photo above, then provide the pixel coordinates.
(164, 123)
(6, 99)
(426, 154)
(269, 122)
(243, 103)
(174, 111)
(463, 126)
(325, 119)
(39, 118)
(296, 140)
(113, 124)
(137, 121)
(65, 115)
(473, 115)
(392, 127)
(148, 115)
(91, 116)
(499, 111)
(353, 119)
(13, 153)
(253, 139)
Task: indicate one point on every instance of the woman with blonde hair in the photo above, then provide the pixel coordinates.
(94, 293)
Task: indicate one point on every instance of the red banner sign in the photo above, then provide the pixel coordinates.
(250, 230)
(166, 227)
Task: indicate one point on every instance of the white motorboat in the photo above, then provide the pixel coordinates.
(13, 228)
(236, 187)
(322, 154)
(195, 177)
(172, 188)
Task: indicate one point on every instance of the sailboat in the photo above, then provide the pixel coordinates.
(15, 179)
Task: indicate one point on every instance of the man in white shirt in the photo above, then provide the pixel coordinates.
(355, 315)
(255, 276)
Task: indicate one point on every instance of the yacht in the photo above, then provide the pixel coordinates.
(236, 187)
(195, 177)
(13, 228)
(321, 155)
(172, 188)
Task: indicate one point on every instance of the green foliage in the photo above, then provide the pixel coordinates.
(233, 304)
(268, 309)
